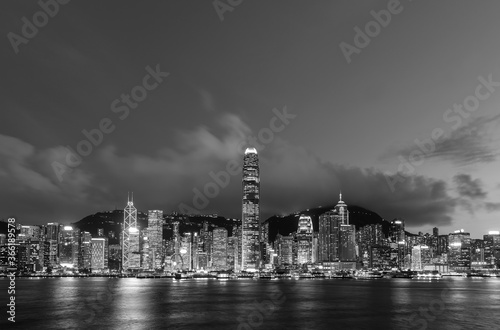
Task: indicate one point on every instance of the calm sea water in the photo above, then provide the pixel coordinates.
(101, 303)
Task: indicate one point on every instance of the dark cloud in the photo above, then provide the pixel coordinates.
(492, 207)
(292, 178)
(469, 188)
(468, 144)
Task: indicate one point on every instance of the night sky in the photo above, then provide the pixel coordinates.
(217, 86)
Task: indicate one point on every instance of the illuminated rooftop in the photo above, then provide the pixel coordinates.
(250, 151)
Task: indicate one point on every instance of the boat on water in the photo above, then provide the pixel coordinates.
(305, 275)
(367, 275)
(456, 274)
(223, 276)
(429, 274)
(403, 274)
(479, 274)
(183, 276)
(266, 276)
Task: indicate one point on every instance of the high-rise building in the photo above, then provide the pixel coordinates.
(99, 258)
(336, 237)
(420, 257)
(492, 249)
(32, 232)
(219, 249)
(155, 238)
(304, 239)
(397, 238)
(329, 232)
(284, 248)
(52, 236)
(69, 246)
(131, 258)
(459, 250)
(250, 252)
(85, 255)
(186, 252)
(347, 243)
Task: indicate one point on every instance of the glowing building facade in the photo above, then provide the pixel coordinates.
(250, 252)
(131, 258)
(219, 249)
(305, 240)
(155, 238)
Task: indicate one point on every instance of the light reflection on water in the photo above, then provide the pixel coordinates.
(129, 303)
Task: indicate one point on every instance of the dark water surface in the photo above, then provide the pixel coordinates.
(129, 303)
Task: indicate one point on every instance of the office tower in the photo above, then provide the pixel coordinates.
(69, 247)
(219, 249)
(459, 250)
(238, 247)
(100, 232)
(31, 232)
(186, 252)
(99, 257)
(146, 263)
(250, 211)
(477, 259)
(52, 236)
(420, 257)
(334, 241)
(442, 244)
(85, 255)
(435, 232)
(115, 256)
(397, 238)
(177, 259)
(284, 248)
(131, 258)
(155, 238)
(347, 243)
(368, 236)
(492, 249)
(304, 239)
(232, 246)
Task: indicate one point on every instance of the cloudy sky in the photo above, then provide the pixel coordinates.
(404, 120)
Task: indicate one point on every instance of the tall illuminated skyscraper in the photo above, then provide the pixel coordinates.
(219, 249)
(250, 252)
(155, 238)
(305, 240)
(337, 240)
(131, 258)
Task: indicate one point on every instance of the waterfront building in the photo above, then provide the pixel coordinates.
(99, 257)
(219, 249)
(304, 239)
(250, 211)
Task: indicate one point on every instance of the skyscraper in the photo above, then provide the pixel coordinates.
(131, 258)
(305, 240)
(250, 254)
(99, 258)
(69, 246)
(219, 249)
(155, 238)
(337, 238)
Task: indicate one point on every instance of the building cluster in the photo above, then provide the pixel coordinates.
(55, 246)
(245, 245)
